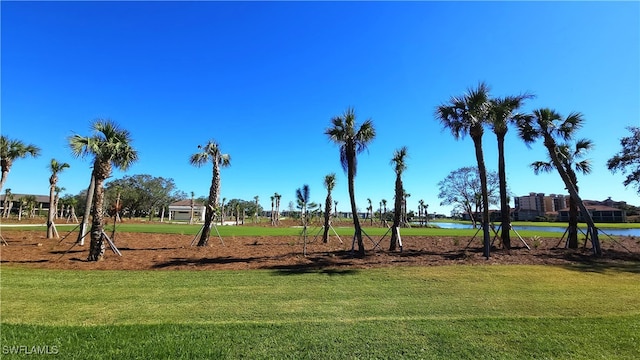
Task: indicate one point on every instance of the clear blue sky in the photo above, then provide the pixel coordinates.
(264, 79)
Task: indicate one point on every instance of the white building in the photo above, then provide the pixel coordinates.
(181, 211)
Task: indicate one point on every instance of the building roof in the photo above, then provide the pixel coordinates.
(39, 198)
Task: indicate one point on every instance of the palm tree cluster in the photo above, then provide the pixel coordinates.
(470, 113)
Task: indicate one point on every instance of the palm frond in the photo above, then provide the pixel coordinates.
(541, 166)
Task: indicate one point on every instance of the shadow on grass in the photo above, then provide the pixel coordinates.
(611, 260)
(303, 269)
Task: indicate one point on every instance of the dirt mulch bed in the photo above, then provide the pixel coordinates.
(174, 252)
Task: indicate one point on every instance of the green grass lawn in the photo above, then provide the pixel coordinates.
(345, 229)
(466, 312)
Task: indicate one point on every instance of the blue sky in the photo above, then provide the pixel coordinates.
(265, 78)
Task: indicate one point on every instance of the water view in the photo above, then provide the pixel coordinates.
(610, 231)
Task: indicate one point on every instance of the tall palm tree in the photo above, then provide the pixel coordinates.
(467, 115)
(111, 147)
(398, 161)
(352, 140)
(257, 199)
(549, 125)
(55, 167)
(420, 211)
(335, 208)
(329, 184)
(10, 150)
(210, 152)
(370, 211)
(570, 160)
(502, 112)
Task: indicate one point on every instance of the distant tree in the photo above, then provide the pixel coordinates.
(110, 146)
(191, 207)
(10, 150)
(55, 167)
(278, 197)
(467, 115)
(462, 189)
(628, 159)
(329, 184)
(352, 140)
(570, 159)
(143, 194)
(398, 161)
(257, 214)
(502, 112)
(550, 125)
(210, 152)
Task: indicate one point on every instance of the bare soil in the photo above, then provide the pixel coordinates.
(174, 252)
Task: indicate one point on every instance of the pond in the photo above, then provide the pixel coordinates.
(610, 231)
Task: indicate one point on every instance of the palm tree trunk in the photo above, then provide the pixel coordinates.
(476, 135)
(396, 214)
(573, 192)
(505, 209)
(52, 211)
(87, 211)
(572, 233)
(3, 179)
(213, 201)
(327, 218)
(351, 173)
(97, 247)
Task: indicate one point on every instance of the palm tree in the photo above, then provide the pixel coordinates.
(548, 124)
(352, 141)
(8, 201)
(329, 184)
(502, 112)
(56, 201)
(370, 210)
(399, 165)
(111, 147)
(467, 115)
(335, 208)
(569, 158)
(273, 222)
(302, 195)
(420, 211)
(278, 197)
(55, 168)
(10, 150)
(210, 152)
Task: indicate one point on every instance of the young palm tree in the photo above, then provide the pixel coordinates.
(10, 150)
(210, 152)
(570, 160)
(329, 184)
(352, 141)
(278, 198)
(335, 208)
(55, 168)
(302, 195)
(549, 125)
(399, 166)
(502, 112)
(370, 211)
(467, 115)
(8, 201)
(111, 147)
(273, 221)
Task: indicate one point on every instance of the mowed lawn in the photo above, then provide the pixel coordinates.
(447, 312)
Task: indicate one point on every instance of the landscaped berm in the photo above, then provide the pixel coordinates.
(175, 251)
